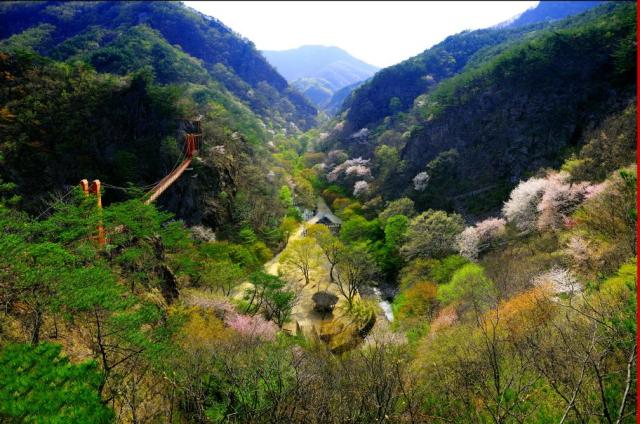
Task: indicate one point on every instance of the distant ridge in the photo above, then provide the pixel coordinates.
(319, 71)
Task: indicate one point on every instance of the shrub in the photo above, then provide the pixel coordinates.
(253, 326)
(437, 270)
(443, 270)
(37, 384)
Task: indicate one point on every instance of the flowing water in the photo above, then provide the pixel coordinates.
(384, 304)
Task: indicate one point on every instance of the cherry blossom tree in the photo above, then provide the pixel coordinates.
(558, 279)
(522, 207)
(473, 240)
(559, 200)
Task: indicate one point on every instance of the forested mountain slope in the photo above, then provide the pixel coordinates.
(473, 299)
(522, 105)
(333, 64)
(120, 36)
(98, 90)
(395, 88)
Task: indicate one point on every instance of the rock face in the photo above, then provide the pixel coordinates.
(194, 196)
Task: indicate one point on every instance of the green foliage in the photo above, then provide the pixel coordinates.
(608, 147)
(358, 228)
(55, 125)
(439, 271)
(222, 275)
(37, 384)
(469, 285)
(419, 301)
(432, 235)
(387, 167)
(268, 293)
(37, 39)
(180, 44)
(403, 206)
(443, 270)
(395, 230)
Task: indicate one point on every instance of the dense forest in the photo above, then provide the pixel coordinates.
(457, 244)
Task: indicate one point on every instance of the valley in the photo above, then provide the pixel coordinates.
(297, 236)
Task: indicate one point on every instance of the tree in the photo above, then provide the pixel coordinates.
(357, 228)
(278, 304)
(559, 200)
(302, 256)
(522, 207)
(387, 165)
(432, 234)
(607, 220)
(304, 192)
(469, 285)
(403, 206)
(355, 268)
(37, 384)
(395, 230)
(331, 246)
(222, 275)
(419, 301)
(269, 295)
(478, 238)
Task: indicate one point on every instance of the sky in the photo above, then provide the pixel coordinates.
(381, 33)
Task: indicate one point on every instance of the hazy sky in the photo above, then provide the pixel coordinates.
(381, 33)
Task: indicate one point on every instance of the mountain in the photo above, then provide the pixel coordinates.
(337, 99)
(100, 90)
(332, 64)
(109, 36)
(422, 289)
(403, 82)
(480, 111)
(319, 71)
(549, 10)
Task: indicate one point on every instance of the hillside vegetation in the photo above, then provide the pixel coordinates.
(466, 256)
(181, 44)
(503, 110)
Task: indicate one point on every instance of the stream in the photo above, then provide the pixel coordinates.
(384, 304)
(323, 210)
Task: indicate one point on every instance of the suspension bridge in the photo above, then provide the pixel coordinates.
(192, 144)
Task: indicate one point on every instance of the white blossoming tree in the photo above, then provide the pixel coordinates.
(558, 279)
(420, 181)
(559, 200)
(522, 207)
(361, 188)
(474, 240)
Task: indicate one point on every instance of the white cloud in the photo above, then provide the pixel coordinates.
(379, 32)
